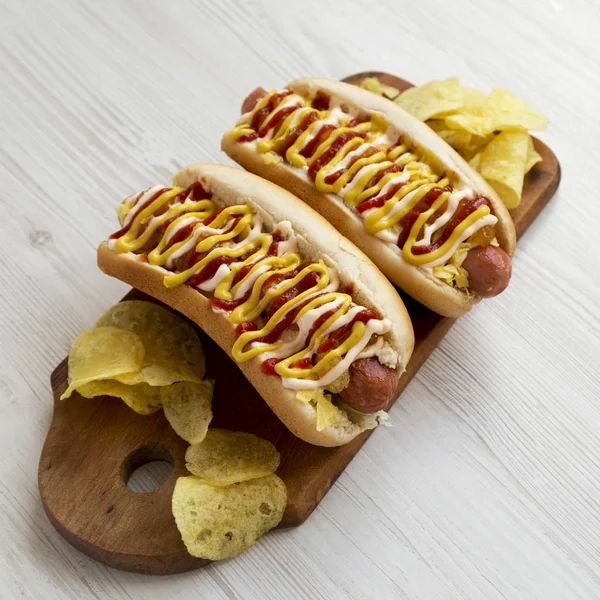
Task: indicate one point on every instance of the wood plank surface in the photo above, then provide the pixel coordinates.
(135, 532)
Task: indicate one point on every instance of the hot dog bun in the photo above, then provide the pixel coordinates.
(316, 239)
(418, 282)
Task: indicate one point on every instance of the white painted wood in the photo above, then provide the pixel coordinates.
(488, 485)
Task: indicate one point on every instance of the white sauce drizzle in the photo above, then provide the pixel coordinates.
(305, 324)
(451, 205)
(210, 284)
(141, 200)
(372, 350)
(466, 234)
(250, 280)
(370, 169)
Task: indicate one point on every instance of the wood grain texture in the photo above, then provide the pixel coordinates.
(487, 486)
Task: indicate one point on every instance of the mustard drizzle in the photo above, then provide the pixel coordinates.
(145, 228)
(419, 175)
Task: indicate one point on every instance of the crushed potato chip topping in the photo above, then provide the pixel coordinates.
(454, 276)
(327, 412)
(306, 396)
(340, 383)
(271, 158)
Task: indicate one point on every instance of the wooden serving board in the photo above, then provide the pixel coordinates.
(94, 445)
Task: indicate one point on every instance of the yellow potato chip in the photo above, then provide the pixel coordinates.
(476, 161)
(532, 156)
(434, 99)
(459, 140)
(144, 399)
(327, 412)
(374, 85)
(103, 353)
(227, 457)
(503, 165)
(221, 522)
(452, 275)
(502, 110)
(173, 350)
(187, 406)
(306, 396)
(472, 98)
(340, 383)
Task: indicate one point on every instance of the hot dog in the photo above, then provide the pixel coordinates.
(307, 317)
(385, 181)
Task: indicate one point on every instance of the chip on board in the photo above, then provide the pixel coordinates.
(144, 399)
(503, 164)
(103, 353)
(454, 137)
(187, 406)
(502, 110)
(532, 156)
(173, 350)
(227, 457)
(475, 161)
(221, 522)
(433, 99)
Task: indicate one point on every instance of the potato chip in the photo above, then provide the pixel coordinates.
(340, 383)
(374, 85)
(103, 353)
(173, 350)
(221, 522)
(471, 122)
(227, 457)
(476, 161)
(306, 396)
(502, 110)
(144, 399)
(532, 156)
(434, 99)
(460, 140)
(503, 165)
(472, 98)
(452, 275)
(187, 406)
(327, 412)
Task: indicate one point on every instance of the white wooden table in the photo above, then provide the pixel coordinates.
(488, 485)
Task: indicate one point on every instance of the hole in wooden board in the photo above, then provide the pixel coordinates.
(147, 468)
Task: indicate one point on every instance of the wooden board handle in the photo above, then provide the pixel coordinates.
(92, 448)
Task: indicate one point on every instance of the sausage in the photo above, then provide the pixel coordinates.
(252, 99)
(372, 385)
(489, 269)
